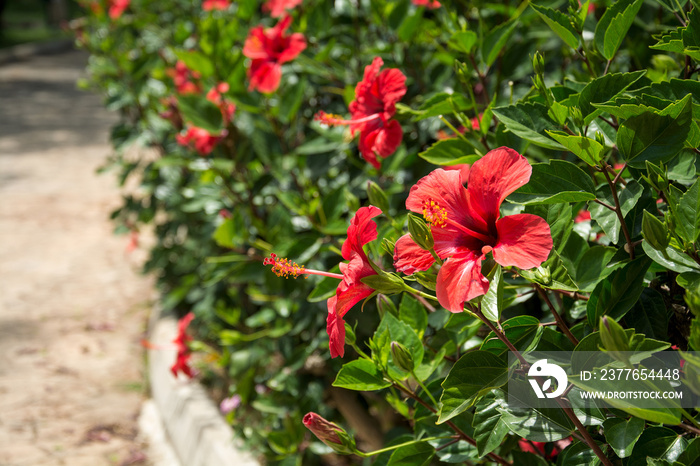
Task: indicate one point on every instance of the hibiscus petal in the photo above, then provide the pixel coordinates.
(388, 139)
(254, 44)
(351, 296)
(524, 241)
(460, 280)
(492, 178)
(443, 187)
(265, 76)
(361, 231)
(391, 85)
(335, 326)
(410, 258)
(296, 43)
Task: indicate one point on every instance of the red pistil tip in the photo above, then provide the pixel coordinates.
(283, 267)
(434, 214)
(329, 119)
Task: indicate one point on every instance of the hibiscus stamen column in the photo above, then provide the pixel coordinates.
(285, 268)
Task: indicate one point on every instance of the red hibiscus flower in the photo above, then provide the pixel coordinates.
(181, 364)
(351, 290)
(208, 5)
(182, 78)
(117, 7)
(374, 106)
(268, 49)
(432, 4)
(582, 216)
(538, 448)
(201, 139)
(215, 96)
(277, 8)
(466, 226)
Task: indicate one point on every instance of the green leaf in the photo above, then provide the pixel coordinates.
(587, 149)
(689, 280)
(622, 435)
(594, 267)
(442, 103)
(391, 329)
(489, 428)
(418, 454)
(522, 331)
(613, 25)
(201, 113)
(360, 375)
(196, 61)
(689, 213)
(473, 375)
(578, 454)
(655, 137)
(658, 443)
(557, 181)
(450, 152)
(606, 218)
(649, 315)
(495, 40)
(529, 121)
(530, 422)
(602, 90)
(617, 294)
(672, 259)
(324, 289)
(412, 312)
(559, 23)
(492, 302)
(463, 41)
(291, 101)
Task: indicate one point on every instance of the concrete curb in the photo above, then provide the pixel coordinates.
(192, 428)
(25, 51)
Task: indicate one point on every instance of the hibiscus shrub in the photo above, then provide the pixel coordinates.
(460, 181)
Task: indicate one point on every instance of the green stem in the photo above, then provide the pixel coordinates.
(690, 418)
(457, 133)
(425, 389)
(405, 444)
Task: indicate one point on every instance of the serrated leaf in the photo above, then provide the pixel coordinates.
(361, 375)
(412, 312)
(655, 137)
(557, 181)
(473, 375)
(522, 331)
(587, 149)
(449, 152)
(529, 121)
(618, 293)
(649, 315)
(559, 23)
(658, 443)
(418, 454)
(613, 25)
(594, 267)
(604, 89)
(608, 219)
(489, 429)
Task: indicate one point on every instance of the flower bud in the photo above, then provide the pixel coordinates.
(349, 334)
(420, 233)
(654, 232)
(538, 64)
(377, 196)
(330, 434)
(388, 246)
(600, 138)
(576, 116)
(385, 283)
(543, 275)
(614, 339)
(402, 357)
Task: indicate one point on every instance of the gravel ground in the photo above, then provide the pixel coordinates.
(73, 307)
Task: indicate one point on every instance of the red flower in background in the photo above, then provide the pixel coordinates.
(201, 139)
(215, 96)
(269, 49)
(181, 364)
(351, 290)
(432, 4)
(208, 5)
(466, 226)
(182, 78)
(117, 7)
(374, 106)
(277, 8)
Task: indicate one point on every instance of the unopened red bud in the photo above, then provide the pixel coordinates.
(329, 433)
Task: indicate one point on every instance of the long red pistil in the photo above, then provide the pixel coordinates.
(331, 119)
(285, 268)
(437, 216)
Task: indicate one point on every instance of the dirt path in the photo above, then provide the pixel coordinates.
(72, 305)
